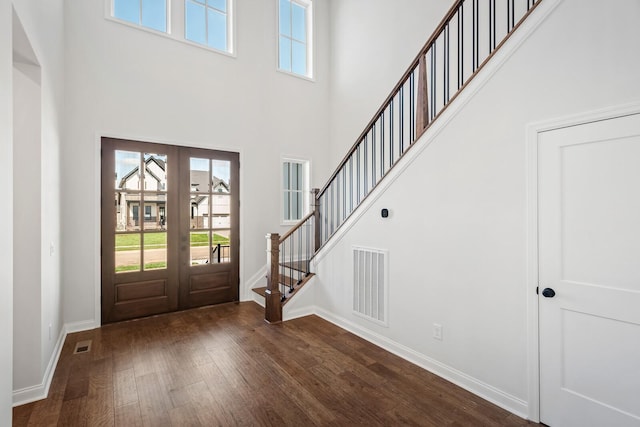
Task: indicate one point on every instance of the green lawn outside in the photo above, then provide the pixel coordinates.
(131, 242)
(149, 266)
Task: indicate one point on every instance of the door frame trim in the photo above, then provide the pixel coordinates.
(97, 170)
(533, 131)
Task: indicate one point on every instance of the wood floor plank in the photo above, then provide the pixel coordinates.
(153, 400)
(73, 412)
(224, 366)
(99, 410)
(124, 387)
(128, 415)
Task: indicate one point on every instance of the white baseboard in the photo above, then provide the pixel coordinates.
(506, 401)
(41, 391)
(85, 325)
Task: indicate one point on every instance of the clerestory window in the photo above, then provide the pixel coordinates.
(146, 13)
(295, 37)
(207, 22)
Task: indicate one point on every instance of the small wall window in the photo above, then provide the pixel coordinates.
(146, 13)
(207, 22)
(295, 54)
(295, 190)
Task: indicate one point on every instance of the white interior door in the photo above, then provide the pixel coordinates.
(589, 230)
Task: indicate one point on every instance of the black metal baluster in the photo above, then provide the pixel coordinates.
(373, 156)
(445, 92)
(358, 175)
(513, 14)
(338, 198)
(401, 124)
(351, 184)
(492, 17)
(391, 141)
(412, 110)
(382, 171)
(291, 274)
(323, 217)
(366, 188)
(344, 191)
(307, 247)
(299, 260)
(332, 209)
(460, 46)
(433, 81)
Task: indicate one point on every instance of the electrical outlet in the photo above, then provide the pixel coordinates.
(437, 331)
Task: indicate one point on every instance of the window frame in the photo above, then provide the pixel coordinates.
(176, 30)
(309, 21)
(305, 191)
(167, 6)
(229, 22)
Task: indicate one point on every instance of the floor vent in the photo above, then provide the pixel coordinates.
(82, 347)
(370, 284)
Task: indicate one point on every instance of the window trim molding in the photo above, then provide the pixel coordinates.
(306, 187)
(176, 26)
(310, 19)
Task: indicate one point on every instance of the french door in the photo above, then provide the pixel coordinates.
(170, 230)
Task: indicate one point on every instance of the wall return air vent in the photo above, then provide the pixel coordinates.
(370, 284)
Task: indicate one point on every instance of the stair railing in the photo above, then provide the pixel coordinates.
(288, 264)
(464, 41)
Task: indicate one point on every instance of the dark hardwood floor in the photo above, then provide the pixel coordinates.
(223, 366)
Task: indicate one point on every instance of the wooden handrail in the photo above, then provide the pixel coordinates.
(295, 227)
(450, 14)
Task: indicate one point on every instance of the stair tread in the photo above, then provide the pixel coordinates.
(260, 291)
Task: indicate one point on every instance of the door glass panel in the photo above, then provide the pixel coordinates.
(199, 212)
(155, 251)
(220, 247)
(155, 172)
(220, 176)
(127, 173)
(221, 210)
(128, 213)
(155, 211)
(127, 252)
(200, 247)
(199, 175)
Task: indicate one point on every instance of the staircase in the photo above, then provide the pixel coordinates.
(464, 41)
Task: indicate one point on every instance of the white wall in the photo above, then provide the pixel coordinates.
(27, 210)
(372, 44)
(457, 232)
(6, 214)
(129, 83)
(38, 285)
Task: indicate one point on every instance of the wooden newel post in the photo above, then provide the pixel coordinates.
(422, 99)
(315, 204)
(273, 303)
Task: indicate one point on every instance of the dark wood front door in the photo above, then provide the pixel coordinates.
(170, 236)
